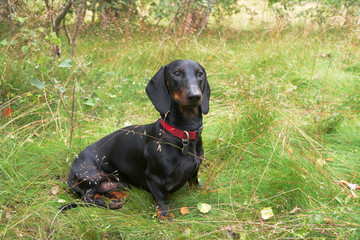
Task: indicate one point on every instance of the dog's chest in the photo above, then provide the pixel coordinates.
(182, 172)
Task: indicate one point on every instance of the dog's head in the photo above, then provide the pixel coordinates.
(181, 81)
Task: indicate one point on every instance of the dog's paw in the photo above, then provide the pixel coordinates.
(169, 216)
(117, 199)
(115, 204)
(165, 215)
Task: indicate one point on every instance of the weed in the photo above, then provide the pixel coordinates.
(281, 133)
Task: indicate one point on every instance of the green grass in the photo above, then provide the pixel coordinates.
(281, 104)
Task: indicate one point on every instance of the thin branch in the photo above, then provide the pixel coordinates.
(61, 16)
(77, 26)
(66, 32)
(72, 114)
(173, 19)
(211, 4)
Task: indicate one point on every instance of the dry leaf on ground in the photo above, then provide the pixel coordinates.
(184, 210)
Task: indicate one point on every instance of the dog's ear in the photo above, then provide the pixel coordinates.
(158, 92)
(205, 96)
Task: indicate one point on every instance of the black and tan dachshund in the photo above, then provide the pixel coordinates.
(160, 157)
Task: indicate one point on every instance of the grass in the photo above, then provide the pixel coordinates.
(282, 132)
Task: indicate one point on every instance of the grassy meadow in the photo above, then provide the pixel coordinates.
(282, 133)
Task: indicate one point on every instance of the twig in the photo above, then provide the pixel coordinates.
(66, 32)
(77, 26)
(173, 19)
(211, 4)
(62, 15)
(72, 114)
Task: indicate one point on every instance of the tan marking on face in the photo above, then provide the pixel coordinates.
(180, 97)
(177, 97)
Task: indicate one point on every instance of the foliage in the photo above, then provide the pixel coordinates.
(281, 134)
(281, 138)
(165, 9)
(321, 11)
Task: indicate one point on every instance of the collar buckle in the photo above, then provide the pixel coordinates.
(185, 143)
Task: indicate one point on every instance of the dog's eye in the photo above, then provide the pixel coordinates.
(176, 74)
(200, 74)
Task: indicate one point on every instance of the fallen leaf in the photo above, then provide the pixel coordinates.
(61, 201)
(266, 213)
(184, 211)
(295, 210)
(55, 190)
(328, 221)
(204, 207)
(352, 186)
(187, 232)
(8, 111)
(344, 182)
(320, 162)
(329, 159)
(8, 214)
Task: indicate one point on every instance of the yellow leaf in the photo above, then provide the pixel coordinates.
(266, 213)
(204, 207)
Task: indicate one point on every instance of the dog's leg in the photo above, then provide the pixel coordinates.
(194, 181)
(161, 197)
(112, 194)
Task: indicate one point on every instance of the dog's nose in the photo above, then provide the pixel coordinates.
(194, 98)
(193, 95)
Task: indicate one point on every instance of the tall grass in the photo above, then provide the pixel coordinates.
(282, 132)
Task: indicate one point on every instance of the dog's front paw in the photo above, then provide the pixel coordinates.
(164, 214)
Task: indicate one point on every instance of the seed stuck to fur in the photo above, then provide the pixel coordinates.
(159, 147)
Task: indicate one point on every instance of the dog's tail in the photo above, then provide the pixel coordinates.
(68, 206)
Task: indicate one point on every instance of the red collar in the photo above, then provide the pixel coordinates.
(185, 135)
